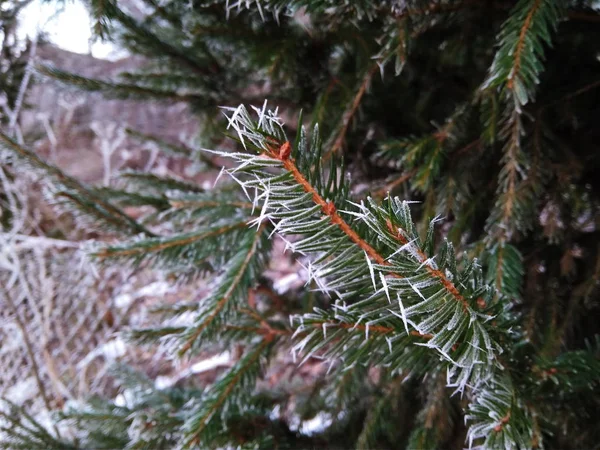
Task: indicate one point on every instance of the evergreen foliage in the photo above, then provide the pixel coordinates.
(436, 181)
(13, 61)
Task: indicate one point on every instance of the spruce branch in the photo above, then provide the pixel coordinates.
(568, 375)
(119, 90)
(102, 11)
(126, 198)
(423, 156)
(518, 62)
(378, 418)
(518, 184)
(24, 431)
(146, 39)
(376, 246)
(201, 423)
(521, 44)
(509, 175)
(436, 420)
(231, 286)
(505, 269)
(193, 245)
(328, 208)
(90, 202)
(498, 417)
(514, 71)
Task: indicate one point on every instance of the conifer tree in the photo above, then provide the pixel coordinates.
(434, 176)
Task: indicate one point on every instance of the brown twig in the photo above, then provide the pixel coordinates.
(380, 193)
(350, 112)
(468, 147)
(581, 90)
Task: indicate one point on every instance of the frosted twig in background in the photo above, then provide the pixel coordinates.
(110, 138)
(45, 119)
(13, 118)
(70, 103)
